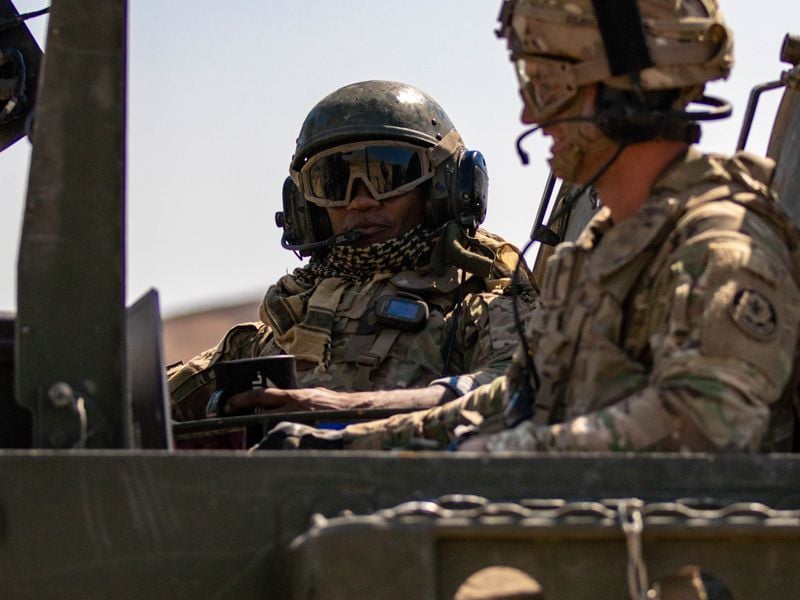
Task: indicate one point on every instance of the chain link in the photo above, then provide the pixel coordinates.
(630, 515)
(630, 519)
(605, 513)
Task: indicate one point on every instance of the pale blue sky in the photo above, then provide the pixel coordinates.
(218, 92)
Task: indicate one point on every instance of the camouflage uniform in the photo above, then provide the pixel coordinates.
(365, 355)
(673, 330)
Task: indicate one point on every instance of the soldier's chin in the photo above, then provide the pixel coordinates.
(371, 235)
(362, 243)
(566, 164)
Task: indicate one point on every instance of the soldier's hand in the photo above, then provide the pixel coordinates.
(293, 436)
(277, 400)
(475, 443)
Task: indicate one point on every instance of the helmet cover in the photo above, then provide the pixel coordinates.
(558, 44)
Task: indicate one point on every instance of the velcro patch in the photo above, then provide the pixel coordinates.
(753, 313)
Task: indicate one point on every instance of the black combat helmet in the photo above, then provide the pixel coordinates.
(371, 110)
(382, 111)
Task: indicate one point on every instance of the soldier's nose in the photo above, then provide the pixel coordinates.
(361, 199)
(527, 116)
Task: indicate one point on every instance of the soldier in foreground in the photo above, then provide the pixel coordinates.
(671, 324)
(403, 291)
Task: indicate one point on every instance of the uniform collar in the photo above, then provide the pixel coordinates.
(618, 245)
(689, 168)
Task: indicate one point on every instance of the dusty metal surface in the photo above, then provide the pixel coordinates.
(70, 298)
(149, 397)
(137, 524)
(429, 549)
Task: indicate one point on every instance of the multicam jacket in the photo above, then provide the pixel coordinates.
(474, 311)
(673, 330)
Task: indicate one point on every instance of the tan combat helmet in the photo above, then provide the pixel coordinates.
(641, 45)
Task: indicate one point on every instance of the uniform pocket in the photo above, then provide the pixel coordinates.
(602, 374)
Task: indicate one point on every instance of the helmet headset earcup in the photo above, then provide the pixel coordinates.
(303, 222)
(459, 190)
(630, 117)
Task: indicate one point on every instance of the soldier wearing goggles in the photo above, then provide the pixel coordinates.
(405, 301)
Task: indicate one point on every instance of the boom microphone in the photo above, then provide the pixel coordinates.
(340, 239)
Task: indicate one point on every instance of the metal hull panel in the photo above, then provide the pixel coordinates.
(159, 525)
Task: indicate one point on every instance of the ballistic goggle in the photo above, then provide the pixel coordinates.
(387, 168)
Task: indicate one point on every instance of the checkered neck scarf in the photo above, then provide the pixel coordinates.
(408, 251)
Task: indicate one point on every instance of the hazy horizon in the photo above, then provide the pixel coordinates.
(217, 95)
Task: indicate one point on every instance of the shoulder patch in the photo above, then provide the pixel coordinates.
(753, 313)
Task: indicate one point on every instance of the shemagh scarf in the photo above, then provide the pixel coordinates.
(301, 307)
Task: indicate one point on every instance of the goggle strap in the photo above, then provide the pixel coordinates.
(445, 148)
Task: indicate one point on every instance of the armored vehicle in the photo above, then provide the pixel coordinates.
(94, 502)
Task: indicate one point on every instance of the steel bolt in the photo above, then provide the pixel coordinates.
(61, 395)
